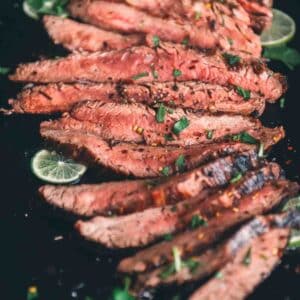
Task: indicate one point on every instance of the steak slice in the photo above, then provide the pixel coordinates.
(138, 124)
(141, 160)
(142, 228)
(131, 196)
(164, 64)
(216, 25)
(191, 242)
(60, 97)
(75, 36)
(239, 279)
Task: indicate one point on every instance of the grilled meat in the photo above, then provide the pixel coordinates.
(216, 25)
(240, 278)
(166, 63)
(142, 228)
(75, 36)
(131, 196)
(138, 123)
(46, 99)
(191, 242)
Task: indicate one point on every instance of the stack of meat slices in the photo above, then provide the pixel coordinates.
(168, 91)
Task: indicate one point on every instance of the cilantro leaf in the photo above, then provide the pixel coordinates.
(289, 56)
(180, 125)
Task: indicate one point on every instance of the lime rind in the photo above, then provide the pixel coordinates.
(54, 168)
(282, 30)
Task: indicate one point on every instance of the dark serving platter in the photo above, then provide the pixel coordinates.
(66, 267)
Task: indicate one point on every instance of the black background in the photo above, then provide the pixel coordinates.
(70, 268)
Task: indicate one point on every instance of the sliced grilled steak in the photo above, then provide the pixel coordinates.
(211, 31)
(131, 196)
(142, 228)
(138, 124)
(61, 97)
(81, 37)
(210, 261)
(144, 64)
(191, 242)
(140, 160)
(239, 278)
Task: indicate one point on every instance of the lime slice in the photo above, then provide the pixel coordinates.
(293, 203)
(54, 168)
(282, 30)
(294, 241)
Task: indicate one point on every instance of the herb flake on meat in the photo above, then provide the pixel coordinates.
(245, 138)
(180, 125)
(197, 221)
(180, 163)
(177, 73)
(161, 113)
(231, 60)
(140, 75)
(246, 94)
(247, 258)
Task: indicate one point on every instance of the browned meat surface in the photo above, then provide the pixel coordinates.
(144, 64)
(142, 228)
(140, 160)
(137, 123)
(217, 23)
(239, 279)
(132, 196)
(210, 261)
(260, 13)
(191, 242)
(193, 95)
(81, 37)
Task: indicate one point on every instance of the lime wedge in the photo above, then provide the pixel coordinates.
(294, 241)
(54, 168)
(282, 30)
(293, 203)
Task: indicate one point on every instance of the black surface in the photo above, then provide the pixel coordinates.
(70, 268)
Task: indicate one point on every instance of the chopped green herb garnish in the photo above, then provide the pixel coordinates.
(141, 75)
(180, 163)
(292, 204)
(232, 60)
(219, 275)
(289, 56)
(180, 125)
(35, 8)
(88, 298)
(197, 221)
(177, 73)
(245, 137)
(169, 137)
(177, 259)
(282, 103)
(236, 178)
(167, 272)
(165, 171)
(154, 74)
(261, 150)
(244, 93)
(156, 41)
(294, 242)
(185, 41)
(123, 294)
(4, 71)
(161, 113)
(230, 41)
(197, 15)
(168, 237)
(247, 258)
(209, 134)
(191, 264)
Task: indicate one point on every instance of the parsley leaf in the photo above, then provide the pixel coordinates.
(141, 75)
(180, 125)
(232, 60)
(156, 41)
(180, 163)
(4, 71)
(35, 8)
(161, 113)
(289, 56)
(165, 171)
(185, 41)
(177, 73)
(197, 221)
(246, 94)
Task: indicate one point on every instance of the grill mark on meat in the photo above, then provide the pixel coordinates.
(192, 242)
(147, 226)
(60, 97)
(75, 36)
(238, 281)
(132, 196)
(137, 123)
(125, 64)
